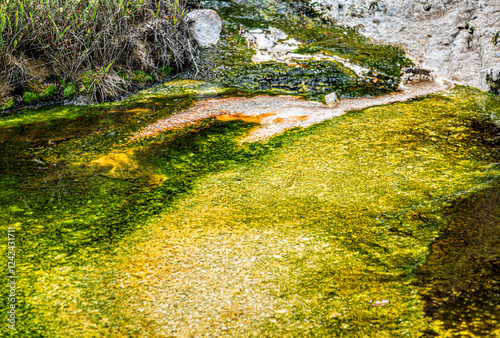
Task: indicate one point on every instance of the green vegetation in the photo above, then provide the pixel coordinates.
(69, 90)
(114, 231)
(142, 79)
(40, 40)
(165, 70)
(44, 94)
(29, 97)
(8, 103)
(49, 92)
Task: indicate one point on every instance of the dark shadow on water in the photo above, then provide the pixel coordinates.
(460, 282)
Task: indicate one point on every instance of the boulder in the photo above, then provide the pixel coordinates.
(331, 99)
(493, 77)
(205, 26)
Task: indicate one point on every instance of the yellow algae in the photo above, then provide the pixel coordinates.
(138, 110)
(118, 163)
(303, 241)
(177, 88)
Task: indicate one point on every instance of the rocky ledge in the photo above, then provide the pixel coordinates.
(455, 39)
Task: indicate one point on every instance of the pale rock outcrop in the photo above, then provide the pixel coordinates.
(458, 40)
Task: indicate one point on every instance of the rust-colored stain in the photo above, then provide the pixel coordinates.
(246, 118)
(289, 111)
(198, 112)
(290, 119)
(138, 110)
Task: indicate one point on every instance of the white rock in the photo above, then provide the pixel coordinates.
(205, 26)
(263, 41)
(262, 57)
(493, 77)
(494, 74)
(292, 42)
(331, 99)
(284, 47)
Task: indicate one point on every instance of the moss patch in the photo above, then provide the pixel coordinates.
(140, 78)
(49, 92)
(29, 97)
(8, 103)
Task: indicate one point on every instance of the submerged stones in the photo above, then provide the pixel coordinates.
(272, 46)
(205, 26)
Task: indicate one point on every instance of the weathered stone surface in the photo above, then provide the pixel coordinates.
(455, 39)
(205, 26)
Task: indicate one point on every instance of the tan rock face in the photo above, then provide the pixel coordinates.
(457, 40)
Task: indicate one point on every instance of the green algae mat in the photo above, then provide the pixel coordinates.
(382, 222)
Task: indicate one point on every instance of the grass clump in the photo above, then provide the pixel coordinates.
(66, 39)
